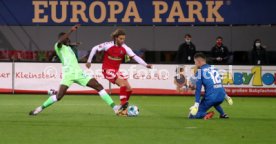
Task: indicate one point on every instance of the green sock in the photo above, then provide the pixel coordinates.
(52, 99)
(105, 96)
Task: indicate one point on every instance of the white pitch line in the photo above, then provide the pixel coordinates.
(191, 127)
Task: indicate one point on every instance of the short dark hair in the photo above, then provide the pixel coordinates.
(61, 34)
(257, 40)
(219, 37)
(188, 35)
(117, 33)
(200, 55)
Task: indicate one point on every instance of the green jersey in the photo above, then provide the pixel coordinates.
(68, 59)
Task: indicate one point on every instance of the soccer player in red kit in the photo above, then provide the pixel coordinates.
(114, 54)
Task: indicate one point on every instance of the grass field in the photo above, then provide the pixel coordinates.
(86, 119)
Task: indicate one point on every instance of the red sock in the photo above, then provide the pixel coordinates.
(128, 94)
(123, 95)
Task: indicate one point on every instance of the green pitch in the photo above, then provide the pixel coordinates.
(88, 120)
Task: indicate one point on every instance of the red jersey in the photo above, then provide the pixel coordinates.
(114, 55)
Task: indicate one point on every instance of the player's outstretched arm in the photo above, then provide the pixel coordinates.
(141, 61)
(75, 43)
(65, 36)
(132, 55)
(94, 50)
(91, 55)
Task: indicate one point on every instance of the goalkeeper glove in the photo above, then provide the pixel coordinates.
(194, 109)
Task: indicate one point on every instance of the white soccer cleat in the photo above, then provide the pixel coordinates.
(122, 111)
(116, 109)
(36, 111)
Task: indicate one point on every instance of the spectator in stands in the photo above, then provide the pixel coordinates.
(219, 52)
(258, 54)
(186, 51)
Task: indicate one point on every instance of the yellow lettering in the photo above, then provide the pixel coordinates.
(176, 11)
(76, 11)
(213, 11)
(197, 11)
(38, 11)
(227, 78)
(92, 10)
(158, 11)
(53, 5)
(257, 78)
(132, 11)
(114, 11)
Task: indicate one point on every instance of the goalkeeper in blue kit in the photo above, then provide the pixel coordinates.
(210, 79)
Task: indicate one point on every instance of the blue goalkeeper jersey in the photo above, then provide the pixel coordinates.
(210, 79)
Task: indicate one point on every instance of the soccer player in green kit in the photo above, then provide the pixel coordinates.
(72, 73)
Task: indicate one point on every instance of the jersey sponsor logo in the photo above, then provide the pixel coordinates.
(114, 58)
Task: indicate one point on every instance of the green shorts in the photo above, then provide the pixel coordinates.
(79, 78)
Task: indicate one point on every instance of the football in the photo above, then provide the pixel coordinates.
(133, 111)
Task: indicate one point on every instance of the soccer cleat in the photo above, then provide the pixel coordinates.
(229, 100)
(225, 116)
(123, 113)
(123, 110)
(209, 115)
(116, 108)
(36, 111)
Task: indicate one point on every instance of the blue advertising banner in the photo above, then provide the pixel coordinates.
(137, 12)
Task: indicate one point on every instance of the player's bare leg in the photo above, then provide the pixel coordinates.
(51, 100)
(93, 83)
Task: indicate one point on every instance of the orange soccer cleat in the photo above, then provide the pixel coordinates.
(209, 115)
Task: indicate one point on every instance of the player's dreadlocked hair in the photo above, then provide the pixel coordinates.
(117, 33)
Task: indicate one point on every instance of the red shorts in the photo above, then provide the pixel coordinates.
(112, 75)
